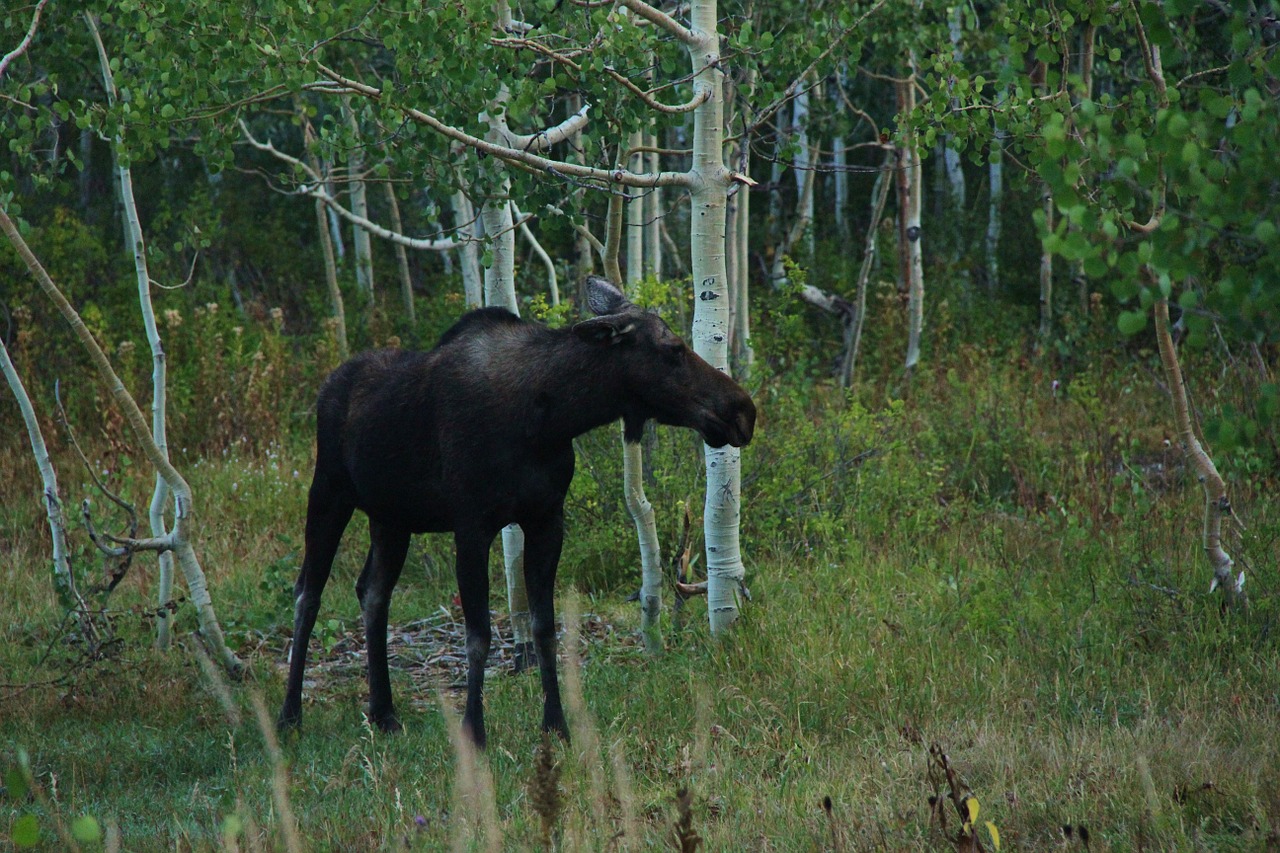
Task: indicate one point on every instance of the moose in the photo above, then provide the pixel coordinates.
(474, 435)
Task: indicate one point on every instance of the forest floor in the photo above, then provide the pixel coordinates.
(910, 642)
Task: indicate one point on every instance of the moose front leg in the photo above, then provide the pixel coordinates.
(541, 557)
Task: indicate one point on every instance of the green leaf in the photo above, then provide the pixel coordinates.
(1132, 322)
(25, 832)
(85, 828)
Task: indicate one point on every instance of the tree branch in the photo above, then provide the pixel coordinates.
(542, 164)
(26, 40)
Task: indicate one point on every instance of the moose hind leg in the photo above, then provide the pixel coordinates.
(382, 570)
(542, 556)
(472, 569)
(327, 517)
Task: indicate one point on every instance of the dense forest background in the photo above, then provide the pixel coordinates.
(962, 247)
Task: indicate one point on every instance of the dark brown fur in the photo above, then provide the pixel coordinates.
(475, 435)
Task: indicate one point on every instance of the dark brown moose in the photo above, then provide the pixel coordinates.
(475, 435)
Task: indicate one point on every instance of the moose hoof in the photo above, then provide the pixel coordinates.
(288, 723)
(388, 724)
(558, 728)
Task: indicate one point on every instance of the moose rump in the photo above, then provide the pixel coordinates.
(472, 436)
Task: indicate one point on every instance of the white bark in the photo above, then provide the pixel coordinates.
(335, 223)
(650, 552)
(464, 220)
(359, 207)
(159, 383)
(1216, 503)
(402, 256)
(635, 216)
(63, 579)
(950, 156)
(722, 508)
(553, 283)
(909, 162)
(804, 170)
(177, 538)
(653, 213)
(330, 266)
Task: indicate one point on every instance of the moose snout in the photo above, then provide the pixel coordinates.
(743, 425)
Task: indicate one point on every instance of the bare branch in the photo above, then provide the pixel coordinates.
(26, 40)
(512, 155)
(661, 19)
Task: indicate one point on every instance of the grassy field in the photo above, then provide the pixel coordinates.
(986, 571)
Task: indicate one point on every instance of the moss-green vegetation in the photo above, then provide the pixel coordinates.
(978, 560)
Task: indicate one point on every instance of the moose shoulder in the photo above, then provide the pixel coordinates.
(475, 435)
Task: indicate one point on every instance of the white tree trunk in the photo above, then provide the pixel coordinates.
(805, 171)
(635, 216)
(909, 162)
(63, 580)
(360, 207)
(553, 283)
(1216, 502)
(402, 256)
(653, 212)
(721, 515)
(159, 384)
(331, 283)
(177, 538)
(950, 156)
(650, 552)
(464, 220)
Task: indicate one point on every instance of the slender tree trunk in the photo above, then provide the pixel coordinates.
(64, 582)
(995, 179)
(913, 265)
(360, 207)
(178, 537)
(553, 284)
(464, 220)
(402, 257)
(653, 212)
(650, 552)
(330, 264)
(805, 172)
(853, 331)
(159, 383)
(1216, 503)
(331, 283)
(335, 222)
(635, 215)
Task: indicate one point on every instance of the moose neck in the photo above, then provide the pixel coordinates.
(577, 386)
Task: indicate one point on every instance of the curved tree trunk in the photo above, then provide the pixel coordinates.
(178, 538)
(1216, 503)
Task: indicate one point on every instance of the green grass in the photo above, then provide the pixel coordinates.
(999, 578)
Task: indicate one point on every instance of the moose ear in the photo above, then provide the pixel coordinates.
(603, 297)
(612, 329)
